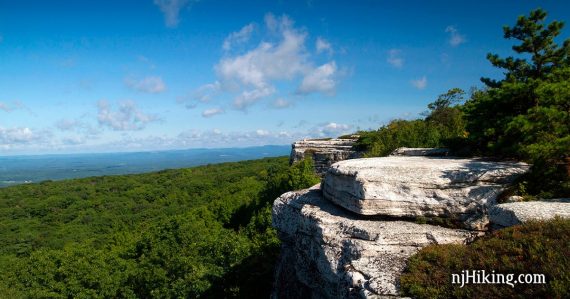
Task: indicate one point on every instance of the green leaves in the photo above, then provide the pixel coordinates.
(170, 234)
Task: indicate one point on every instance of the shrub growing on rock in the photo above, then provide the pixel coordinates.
(537, 247)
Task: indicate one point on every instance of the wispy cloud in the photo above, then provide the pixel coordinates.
(455, 38)
(238, 37)
(126, 118)
(171, 10)
(211, 112)
(420, 83)
(14, 105)
(281, 103)
(78, 126)
(151, 84)
(322, 45)
(395, 58)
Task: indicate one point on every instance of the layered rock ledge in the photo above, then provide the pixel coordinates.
(324, 152)
(408, 186)
(328, 252)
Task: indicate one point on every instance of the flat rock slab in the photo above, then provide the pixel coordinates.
(328, 252)
(404, 186)
(509, 214)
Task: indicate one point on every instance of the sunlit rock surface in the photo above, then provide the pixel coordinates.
(509, 214)
(408, 186)
(324, 152)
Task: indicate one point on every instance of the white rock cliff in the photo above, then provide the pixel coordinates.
(352, 238)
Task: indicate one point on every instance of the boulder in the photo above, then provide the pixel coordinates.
(324, 152)
(329, 252)
(409, 186)
(509, 214)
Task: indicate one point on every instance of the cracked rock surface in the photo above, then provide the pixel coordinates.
(329, 252)
(410, 186)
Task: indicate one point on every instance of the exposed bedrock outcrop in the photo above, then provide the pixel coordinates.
(324, 152)
(328, 252)
(509, 214)
(407, 186)
(351, 236)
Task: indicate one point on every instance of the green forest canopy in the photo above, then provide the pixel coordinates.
(196, 232)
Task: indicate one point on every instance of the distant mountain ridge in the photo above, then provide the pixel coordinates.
(16, 170)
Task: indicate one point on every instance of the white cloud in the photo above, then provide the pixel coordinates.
(455, 39)
(151, 84)
(280, 57)
(171, 10)
(331, 129)
(420, 83)
(322, 45)
(320, 79)
(238, 37)
(261, 132)
(281, 103)
(16, 135)
(20, 138)
(395, 58)
(212, 112)
(127, 118)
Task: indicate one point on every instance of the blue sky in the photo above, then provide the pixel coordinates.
(103, 76)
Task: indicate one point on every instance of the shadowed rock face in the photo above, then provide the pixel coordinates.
(328, 252)
(405, 186)
(323, 152)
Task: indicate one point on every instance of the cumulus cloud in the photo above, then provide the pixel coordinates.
(151, 84)
(261, 132)
(211, 112)
(330, 129)
(395, 58)
(238, 37)
(280, 57)
(23, 137)
(322, 45)
(281, 103)
(455, 39)
(171, 10)
(320, 79)
(126, 118)
(420, 83)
